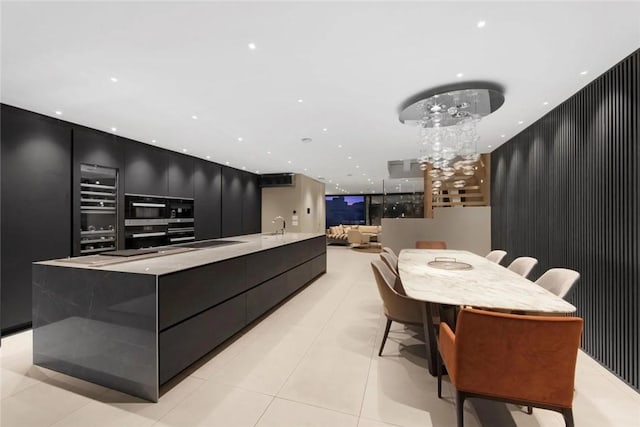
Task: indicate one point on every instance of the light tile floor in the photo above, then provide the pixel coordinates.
(311, 362)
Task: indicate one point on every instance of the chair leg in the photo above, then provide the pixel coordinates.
(439, 375)
(567, 413)
(529, 410)
(460, 408)
(384, 338)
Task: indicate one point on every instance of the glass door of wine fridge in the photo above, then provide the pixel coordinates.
(98, 209)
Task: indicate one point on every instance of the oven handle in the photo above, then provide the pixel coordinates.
(148, 205)
(135, 236)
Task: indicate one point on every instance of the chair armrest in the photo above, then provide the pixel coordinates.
(447, 347)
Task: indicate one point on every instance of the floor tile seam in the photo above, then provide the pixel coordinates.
(378, 421)
(67, 415)
(315, 405)
(315, 339)
(264, 411)
(366, 383)
(187, 396)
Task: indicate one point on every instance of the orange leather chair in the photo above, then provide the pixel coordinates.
(525, 360)
(427, 244)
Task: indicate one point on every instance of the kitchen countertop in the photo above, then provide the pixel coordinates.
(171, 260)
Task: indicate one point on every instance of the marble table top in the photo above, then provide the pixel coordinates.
(183, 260)
(486, 285)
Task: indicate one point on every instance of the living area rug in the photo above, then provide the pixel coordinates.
(369, 249)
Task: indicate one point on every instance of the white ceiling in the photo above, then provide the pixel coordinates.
(352, 64)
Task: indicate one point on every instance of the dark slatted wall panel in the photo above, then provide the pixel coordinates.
(566, 190)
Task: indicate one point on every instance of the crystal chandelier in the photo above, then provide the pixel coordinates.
(447, 119)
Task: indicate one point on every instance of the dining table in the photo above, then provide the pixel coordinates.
(446, 279)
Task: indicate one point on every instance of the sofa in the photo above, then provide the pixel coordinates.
(339, 234)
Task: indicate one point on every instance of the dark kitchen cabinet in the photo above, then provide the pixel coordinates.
(207, 179)
(180, 175)
(145, 170)
(36, 204)
(92, 147)
(251, 204)
(232, 198)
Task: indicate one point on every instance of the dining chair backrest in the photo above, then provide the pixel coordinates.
(523, 265)
(558, 280)
(431, 244)
(496, 256)
(391, 261)
(396, 306)
(531, 358)
(389, 251)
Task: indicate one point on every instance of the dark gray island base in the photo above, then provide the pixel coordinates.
(134, 325)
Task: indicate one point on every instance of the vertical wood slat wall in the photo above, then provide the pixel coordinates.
(566, 190)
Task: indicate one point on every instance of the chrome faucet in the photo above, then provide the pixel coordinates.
(284, 224)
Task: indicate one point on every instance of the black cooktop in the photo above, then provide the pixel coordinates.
(205, 244)
(130, 252)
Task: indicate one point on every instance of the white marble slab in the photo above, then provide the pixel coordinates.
(487, 285)
(165, 264)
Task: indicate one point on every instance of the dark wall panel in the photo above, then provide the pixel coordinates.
(36, 204)
(232, 198)
(180, 175)
(251, 204)
(565, 191)
(207, 179)
(145, 169)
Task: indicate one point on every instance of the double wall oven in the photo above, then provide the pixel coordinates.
(157, 221)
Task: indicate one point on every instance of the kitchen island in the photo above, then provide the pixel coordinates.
(134, 323)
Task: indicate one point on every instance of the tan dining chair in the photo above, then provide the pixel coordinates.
(397, 307)
(558, 281)
(496, 256)
(389, 250)
(523, 265)
(431, 244)
(524, 360)
(391, 261)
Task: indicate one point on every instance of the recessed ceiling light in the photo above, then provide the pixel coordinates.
(520, 122)
(257, 171)
(324, 129)
(305, 169)
(194, 117)
(268, 152)
(114, 79)
(59, 113)
(582, 73)
(330, 181)
(239, 139)
(153, 141)
(502, 136)
(361, 191)
(545, 103)
(481, 24)
(289, 161)
(244, 168)
(488, 146)
(459, 75)
(252, 46)
(114, 129)
(300, 100)
(226, 163)
(349, 157)
(339, 145)
(184, 150)
(208, 157)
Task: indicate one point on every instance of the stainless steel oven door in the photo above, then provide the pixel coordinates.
(145, 233)
(145, 207)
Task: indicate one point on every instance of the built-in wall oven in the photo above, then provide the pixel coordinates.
(181, 226)
(157, 221)
(145, 223)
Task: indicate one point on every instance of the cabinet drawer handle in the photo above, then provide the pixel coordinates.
(148, 205)
(148, 235)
